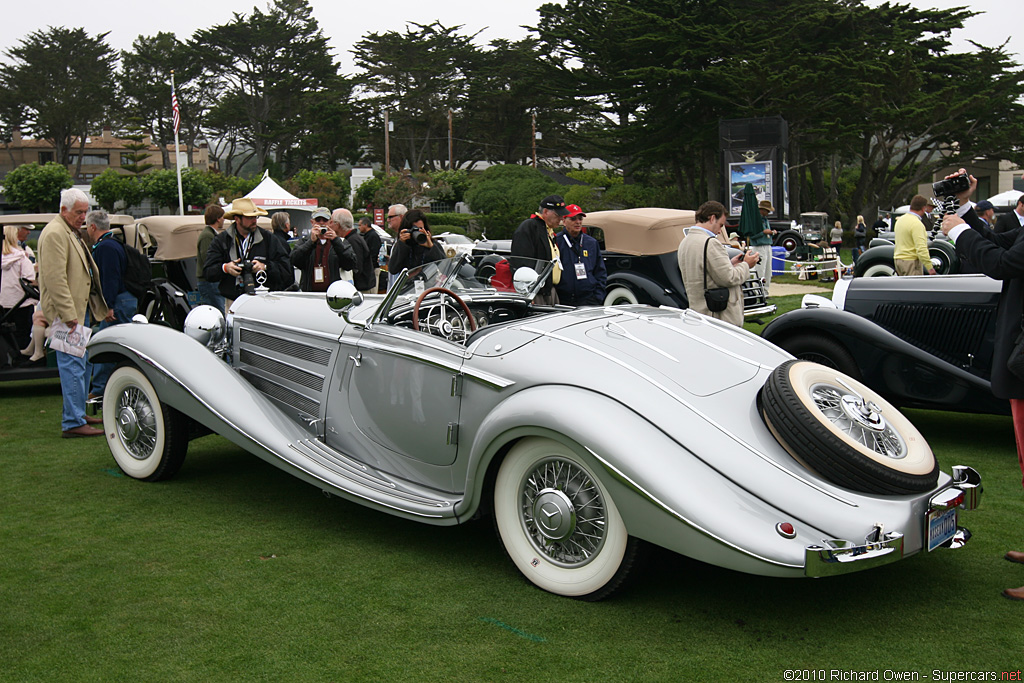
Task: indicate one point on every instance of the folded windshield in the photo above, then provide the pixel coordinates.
(471, 275)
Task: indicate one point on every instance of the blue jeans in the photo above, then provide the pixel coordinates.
(209, 293)
(73, 375)
(125, 306)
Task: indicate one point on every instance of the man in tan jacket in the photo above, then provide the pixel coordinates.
(721, 270)
(69, 288)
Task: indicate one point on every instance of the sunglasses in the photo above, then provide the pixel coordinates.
(320, 219)
(395, 216)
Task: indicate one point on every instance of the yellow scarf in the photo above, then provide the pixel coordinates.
(556, 271)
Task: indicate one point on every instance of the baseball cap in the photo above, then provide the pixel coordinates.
(983, 205)
(321, 212)
(575, 210)
(555, 203)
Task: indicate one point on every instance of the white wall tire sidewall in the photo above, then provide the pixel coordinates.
(121, 379)
(919, 460)
(879, 270)
(620, 294)
(534, 565)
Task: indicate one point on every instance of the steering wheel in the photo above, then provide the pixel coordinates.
(441, 324)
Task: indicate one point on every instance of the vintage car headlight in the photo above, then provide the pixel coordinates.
(206, 325)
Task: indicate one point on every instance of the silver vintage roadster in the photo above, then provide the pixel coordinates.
(585, 432)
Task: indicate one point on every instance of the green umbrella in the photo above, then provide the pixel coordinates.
(750, 217)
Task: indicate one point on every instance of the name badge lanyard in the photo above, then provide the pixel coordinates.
(581, 268)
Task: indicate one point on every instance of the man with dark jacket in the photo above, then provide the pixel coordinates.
(1000, 255)
(583, 272)
(1011, 220)
(322, 257)
(535, 238)
(362, 271)
(373, 243)
(245, 242)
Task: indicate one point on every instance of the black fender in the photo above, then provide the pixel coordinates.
(872, 255)
(167, 304)
(885, 361)
(647, 291)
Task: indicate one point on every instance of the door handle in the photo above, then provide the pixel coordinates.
(357, 359)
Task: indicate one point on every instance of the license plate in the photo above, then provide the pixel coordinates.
(941, 527)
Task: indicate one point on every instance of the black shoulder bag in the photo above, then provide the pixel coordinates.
(717, 299)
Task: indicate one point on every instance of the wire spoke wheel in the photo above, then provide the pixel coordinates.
(860, 419)
(563, 513)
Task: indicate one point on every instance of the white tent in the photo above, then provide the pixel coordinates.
(272, 198)
(1008, 198)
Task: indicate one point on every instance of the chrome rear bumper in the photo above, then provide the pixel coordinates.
(839, 556)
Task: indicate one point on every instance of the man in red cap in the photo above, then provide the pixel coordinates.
(583, 272)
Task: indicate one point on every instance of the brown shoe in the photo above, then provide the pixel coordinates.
(93, 420)
(1014, 556)
(84, 430)
(1014, 593)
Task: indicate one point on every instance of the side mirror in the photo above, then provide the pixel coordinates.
(342, 295)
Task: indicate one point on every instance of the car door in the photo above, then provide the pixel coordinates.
(401, 387)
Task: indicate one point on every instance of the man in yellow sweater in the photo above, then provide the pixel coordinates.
(911, 255)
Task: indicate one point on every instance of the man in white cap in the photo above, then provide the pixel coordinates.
(244, 248)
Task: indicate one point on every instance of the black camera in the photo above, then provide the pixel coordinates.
(418, 236)
(950, 187)
(248, 277)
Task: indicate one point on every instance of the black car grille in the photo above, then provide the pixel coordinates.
(754, 293)
(952, 333)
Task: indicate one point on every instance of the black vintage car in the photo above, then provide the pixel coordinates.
(921, 342)
(639, 247)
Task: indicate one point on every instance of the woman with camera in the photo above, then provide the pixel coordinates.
(415, 245)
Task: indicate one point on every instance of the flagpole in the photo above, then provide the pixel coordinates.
(177, 158)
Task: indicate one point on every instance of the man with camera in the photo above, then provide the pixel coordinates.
(708, 272)
(1011, 220)
(911, 256)
(241, 252)
(323, 256)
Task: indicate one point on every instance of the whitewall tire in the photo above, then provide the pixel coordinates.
(620, 296)
(557, 522)
(147, 438)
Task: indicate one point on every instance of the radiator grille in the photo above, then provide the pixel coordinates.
(283, 394)
(286, 347)
(949, 332)
(273, 367)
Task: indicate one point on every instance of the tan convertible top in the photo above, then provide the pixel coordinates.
(641, 232)
(175, 236)
(44, 218)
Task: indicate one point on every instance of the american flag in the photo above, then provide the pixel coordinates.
(176, 109)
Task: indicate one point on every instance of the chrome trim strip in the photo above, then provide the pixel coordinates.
(150, 361)
(695, 410)
(321, 375)
(682, 518)
(485, 378)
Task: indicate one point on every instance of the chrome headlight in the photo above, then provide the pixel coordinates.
(206, 325)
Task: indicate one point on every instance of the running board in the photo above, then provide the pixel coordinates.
(350, 478)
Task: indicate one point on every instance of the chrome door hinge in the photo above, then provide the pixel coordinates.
(456, 385)
(453, 433)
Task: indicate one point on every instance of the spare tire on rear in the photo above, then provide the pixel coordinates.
(845, 432)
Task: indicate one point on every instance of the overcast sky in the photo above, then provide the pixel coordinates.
(345, 23)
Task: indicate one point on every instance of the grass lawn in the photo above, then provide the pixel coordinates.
(237, 571)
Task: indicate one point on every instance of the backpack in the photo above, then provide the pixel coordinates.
(138, 273)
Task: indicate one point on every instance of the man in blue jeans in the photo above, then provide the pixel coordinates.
(69, 287)
(111, 260)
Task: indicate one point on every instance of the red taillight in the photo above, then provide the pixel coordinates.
(785, 530)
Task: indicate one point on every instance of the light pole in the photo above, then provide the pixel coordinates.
(387, 145)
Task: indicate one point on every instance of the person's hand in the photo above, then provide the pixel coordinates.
(429, 244)
(931, 271)
(751, 258)
(329, 234)
(314, 234)
(110, 316)
(232, 268)
(950, 222)
(257, 267)
(404, 235)
(72, 324)
(966, 194)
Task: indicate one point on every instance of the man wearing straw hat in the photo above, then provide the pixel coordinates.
(241, 246)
